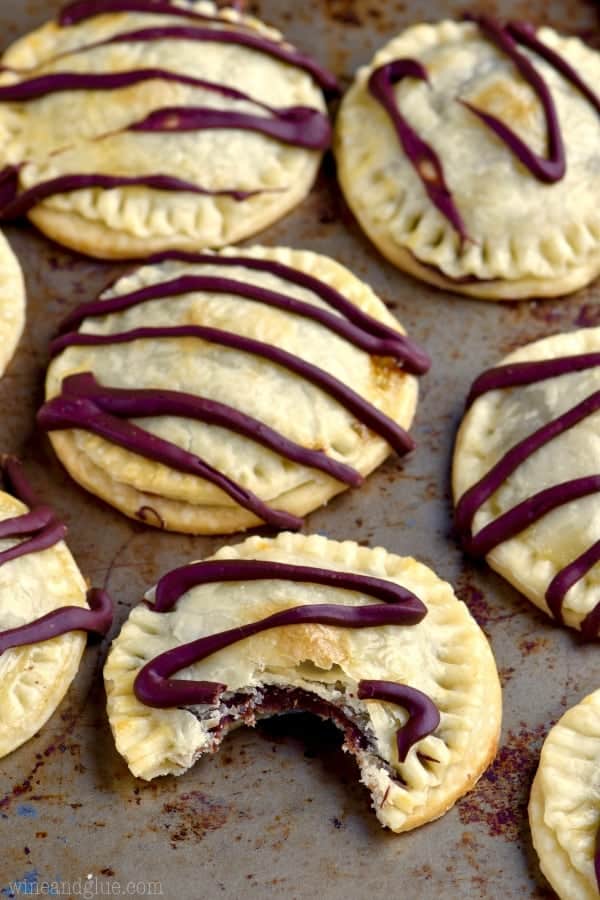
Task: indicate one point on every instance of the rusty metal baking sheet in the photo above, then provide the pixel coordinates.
(278, 812)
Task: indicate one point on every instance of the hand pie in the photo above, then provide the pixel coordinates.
(209, 393)
(44, 613)
(468, 153)
(564, 808)
(12, 303)
(375, 642)
(133, 126)
(525, 474)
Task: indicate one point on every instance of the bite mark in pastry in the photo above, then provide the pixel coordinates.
(376, 643)
(259, 384)
(44, 612)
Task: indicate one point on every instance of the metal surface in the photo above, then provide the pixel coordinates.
(278, 812)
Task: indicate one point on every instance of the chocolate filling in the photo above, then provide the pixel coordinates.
(155, 686)
(269, 700)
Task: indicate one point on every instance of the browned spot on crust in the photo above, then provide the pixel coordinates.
(501, 99)
(427, 170)
(384, 370)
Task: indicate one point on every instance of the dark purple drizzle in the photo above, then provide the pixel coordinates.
(74, 409)
(13, 205)
(46, 531)
(424, 715)
(425, 160)
(549, 169)
(368, 414)
(177, 582)
(530, 510)
(300, 126)
(565, 579)
(359, 335)
(39, 524)
(476, 496)
(86, 404)
(139, 403)
(414, 358)
(284, 52)
(82, 10)
(524, 373)
(155, 686)
(524, 33)
(98, 619)
(55, 82)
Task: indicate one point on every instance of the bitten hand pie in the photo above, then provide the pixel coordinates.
(564, 808)
(373, 641)
(12, 303)
(208, 393)
(44, 613)
(468, 152)
(133, 126)
(525, 474)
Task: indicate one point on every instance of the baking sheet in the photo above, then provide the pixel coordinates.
(278, 812)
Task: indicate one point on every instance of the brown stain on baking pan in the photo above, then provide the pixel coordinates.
(191, 816)
(31, 782)
(499, 801)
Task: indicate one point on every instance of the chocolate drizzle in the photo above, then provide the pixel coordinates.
(154, 685)
(524, 33)
(174, 584)
(424, 716)
(75, 409)
(425, 160)
(13, 205)
(45, 531)
(533, 508)
(413, 358)
(359, 335)
(83, 403)
(368, 414)
(97, 619)
(549, 169)
(524, 373)
(301, 126)
(251, 40)
(83, 10)
(297, 125)
(39, 525)
(476, 496)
